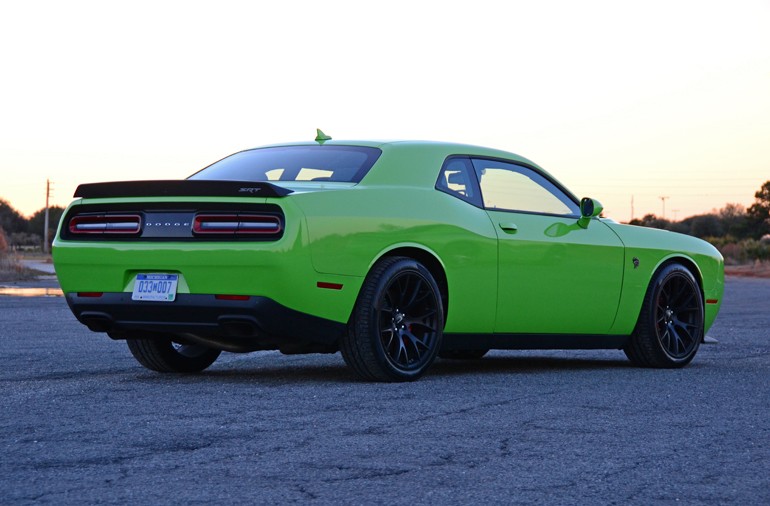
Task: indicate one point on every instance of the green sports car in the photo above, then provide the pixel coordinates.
(392, 253)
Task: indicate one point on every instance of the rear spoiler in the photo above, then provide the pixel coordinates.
(180, 188)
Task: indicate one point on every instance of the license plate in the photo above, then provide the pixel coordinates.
(155, 287)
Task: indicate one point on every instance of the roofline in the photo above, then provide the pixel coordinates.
(459, 148)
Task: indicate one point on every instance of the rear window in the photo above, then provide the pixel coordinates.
(346, 164)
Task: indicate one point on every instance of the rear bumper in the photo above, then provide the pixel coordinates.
(234, 325)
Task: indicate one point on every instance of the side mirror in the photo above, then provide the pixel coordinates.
(589, 208)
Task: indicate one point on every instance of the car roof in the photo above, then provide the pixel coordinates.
(437, 147)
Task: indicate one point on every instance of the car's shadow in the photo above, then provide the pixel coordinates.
(335, 370)
(527, 364)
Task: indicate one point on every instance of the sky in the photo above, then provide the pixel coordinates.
(625, 102)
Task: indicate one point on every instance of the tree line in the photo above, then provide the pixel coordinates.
(741, 234)
(19, 232)
(737, 231)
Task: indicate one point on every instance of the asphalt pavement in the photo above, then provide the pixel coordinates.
(82, 423)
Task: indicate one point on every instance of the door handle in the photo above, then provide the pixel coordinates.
(509, 228)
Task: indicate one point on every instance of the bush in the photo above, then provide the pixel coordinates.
(757, 250)
(25, 241)
(11, 269)
(733, 254)
(741, 252)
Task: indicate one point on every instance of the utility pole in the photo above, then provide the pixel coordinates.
(632, 208)
(45, 226)
(663, 199)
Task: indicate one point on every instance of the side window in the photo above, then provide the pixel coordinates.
(457, 178)
(510, 187)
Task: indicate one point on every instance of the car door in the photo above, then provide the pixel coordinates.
(554, 277)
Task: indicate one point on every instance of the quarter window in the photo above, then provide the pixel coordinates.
(457, 178)
(510, 187)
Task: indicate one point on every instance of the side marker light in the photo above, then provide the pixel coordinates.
(329, 286)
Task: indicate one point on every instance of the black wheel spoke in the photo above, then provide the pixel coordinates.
(665, 337)
(416, 341)
(389, 339)
(687, 330)
(674, 340)
(415, 292)
(403, 354)
(687, 303)
(403, 287)
(682, 291)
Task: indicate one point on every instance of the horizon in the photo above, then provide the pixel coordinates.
(674, 219)
(617, 102)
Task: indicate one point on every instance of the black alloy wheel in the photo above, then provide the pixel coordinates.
(408, 312)
(671, 323)
(162, 354)
(398, 322)
(679, 316)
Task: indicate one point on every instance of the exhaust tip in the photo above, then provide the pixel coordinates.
(239, 326)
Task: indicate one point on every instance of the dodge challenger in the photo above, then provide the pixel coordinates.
(392, 253)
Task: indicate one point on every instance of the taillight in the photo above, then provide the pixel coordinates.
(240, 224)
(129, 224)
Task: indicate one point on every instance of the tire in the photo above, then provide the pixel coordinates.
(670, 326)
(462, 354)
(161, 354)
(397, 323)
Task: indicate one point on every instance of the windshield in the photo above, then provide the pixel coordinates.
(348, 164)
